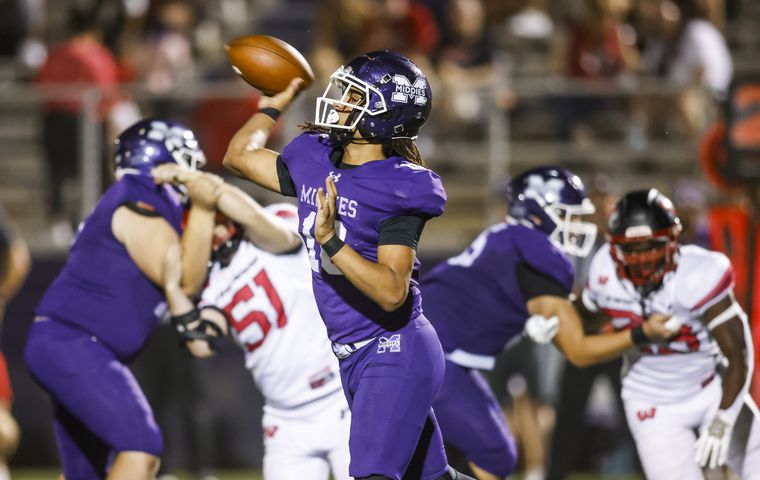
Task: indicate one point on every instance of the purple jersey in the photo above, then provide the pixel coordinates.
(474, 300)
(100, 289)
(367, 195)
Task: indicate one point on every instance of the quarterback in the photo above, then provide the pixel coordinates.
(364, 195)
(685, 415)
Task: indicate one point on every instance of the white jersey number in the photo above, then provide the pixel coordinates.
(324, 259)
(468, 257)
(241, 318)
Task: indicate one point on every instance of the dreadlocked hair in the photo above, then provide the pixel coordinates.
(393, 147)
(313, 127)
(405, 148)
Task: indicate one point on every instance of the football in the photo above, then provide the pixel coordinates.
(267, 63)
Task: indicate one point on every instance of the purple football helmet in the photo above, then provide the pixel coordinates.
(551, 199)
(153, 141)
(387, 96)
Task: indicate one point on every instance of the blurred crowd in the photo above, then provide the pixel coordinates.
(478, 52)
(162, 45)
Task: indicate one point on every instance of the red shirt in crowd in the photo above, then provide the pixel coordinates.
(81, 62)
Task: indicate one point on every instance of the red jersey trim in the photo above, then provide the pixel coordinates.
(725, 283)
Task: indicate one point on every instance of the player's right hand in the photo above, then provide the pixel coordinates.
(711, 448)
(281, 100)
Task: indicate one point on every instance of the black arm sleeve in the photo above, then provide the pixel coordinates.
(534, 283)
(287, 187)
(404, 230)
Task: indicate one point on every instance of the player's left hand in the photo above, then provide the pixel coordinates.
(541, 329)
(660, 327)
(324, 227)
(712, 445)
(170, 173)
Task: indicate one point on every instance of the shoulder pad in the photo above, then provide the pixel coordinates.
(418, 190)
(702, 277)
(538, 252)
(307, 143)
(286, 212)
(600, 271)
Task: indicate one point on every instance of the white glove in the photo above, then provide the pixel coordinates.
(712, 445)
(673, 324)
(541, 329)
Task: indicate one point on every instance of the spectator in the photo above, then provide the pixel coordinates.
(596, 46)
(165, 58)
(465, 63)
(347, 28)
(404, 26)
(681, 45)
(338, 28)
(81, 62)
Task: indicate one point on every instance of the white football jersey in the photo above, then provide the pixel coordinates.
(272, 315)
(675, 371)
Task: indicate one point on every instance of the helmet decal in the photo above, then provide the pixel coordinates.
(407, 92)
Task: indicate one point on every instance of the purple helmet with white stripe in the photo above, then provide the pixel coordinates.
(551, 199)
(386, 94)
(154, 141)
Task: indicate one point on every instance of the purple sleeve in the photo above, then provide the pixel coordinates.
(543, 257)
(294, 152)
(160, 201)
(420, 193)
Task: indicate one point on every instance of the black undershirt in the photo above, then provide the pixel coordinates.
(402, 230)
(535, 284)
(287, 187)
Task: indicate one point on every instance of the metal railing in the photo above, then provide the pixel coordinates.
(471, 164)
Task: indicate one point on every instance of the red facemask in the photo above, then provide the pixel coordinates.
(231, 231)
(645, 260)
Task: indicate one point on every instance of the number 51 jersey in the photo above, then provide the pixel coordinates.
(271, 314)
(672, 372)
